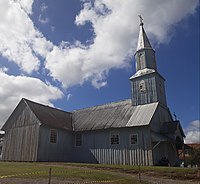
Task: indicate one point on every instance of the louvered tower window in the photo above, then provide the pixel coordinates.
(53, 136)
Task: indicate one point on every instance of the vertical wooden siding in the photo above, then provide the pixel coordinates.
(21, 144)
(21, 139)
(59, 151)
(96, 148)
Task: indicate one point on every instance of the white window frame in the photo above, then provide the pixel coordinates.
(114, 133)
(130, 139)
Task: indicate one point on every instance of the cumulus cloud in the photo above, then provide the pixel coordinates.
(193, 132)
(115, 26)
(20, 41)
(26, 5)
(13, 88)
(115, 32)
(42, 17)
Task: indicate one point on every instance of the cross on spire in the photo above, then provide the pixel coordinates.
(141, 20)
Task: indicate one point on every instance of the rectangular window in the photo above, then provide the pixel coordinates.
(53, 136)
(133, 139)
(78, 139)
(114, 138)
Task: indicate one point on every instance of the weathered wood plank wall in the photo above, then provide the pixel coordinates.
(21, 139)
(59, 151)
(96, 147)
(154, 89)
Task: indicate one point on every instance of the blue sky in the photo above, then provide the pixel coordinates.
(78, 54)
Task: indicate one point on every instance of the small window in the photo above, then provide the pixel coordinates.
(53, 136)
(133, 139)
(142, 86)
(114, 138)
(78, 139)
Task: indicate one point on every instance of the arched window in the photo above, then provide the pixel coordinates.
(142, 61)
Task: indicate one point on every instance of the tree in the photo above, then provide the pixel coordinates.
(194, 158)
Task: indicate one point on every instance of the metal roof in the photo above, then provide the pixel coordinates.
(143, 41)
(50, 116)
(113, 115)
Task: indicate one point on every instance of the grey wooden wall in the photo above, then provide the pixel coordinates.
(21, 138)
(96, 147)
(168, 150)
(59, 151)
(161, 115)
(155, 89)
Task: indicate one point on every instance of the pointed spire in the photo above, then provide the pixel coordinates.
(143, 41)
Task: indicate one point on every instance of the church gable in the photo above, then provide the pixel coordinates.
(21, 116)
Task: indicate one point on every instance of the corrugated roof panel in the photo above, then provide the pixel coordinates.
(114, 115)
(142, 114)
(50, 116)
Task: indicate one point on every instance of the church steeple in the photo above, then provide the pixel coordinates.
(147, 84)
(145, 55)
(143, 41)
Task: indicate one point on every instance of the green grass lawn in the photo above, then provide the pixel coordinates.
(92, 172)
(169, 172)
(61, 171)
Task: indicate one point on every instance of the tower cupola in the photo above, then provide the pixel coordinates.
(147, 84)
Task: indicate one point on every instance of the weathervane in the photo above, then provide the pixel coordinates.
(141, 20)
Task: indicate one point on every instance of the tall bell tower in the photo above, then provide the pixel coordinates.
(147, 85)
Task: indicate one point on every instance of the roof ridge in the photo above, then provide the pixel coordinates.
(95, 106)
(46, 106)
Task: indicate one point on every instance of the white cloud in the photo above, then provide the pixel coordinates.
(53, 28)
(26, 5)
(42, 17)
(115, 25)
(4, 69)
(193, 132)
(13, 88)
(69, 96)
(43, 7)
(20, 41)
(115, 31)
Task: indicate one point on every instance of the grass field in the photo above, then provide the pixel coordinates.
(91, 172)
(171, 172)
(61, 171)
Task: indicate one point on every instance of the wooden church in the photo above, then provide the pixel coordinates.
(140, 130)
